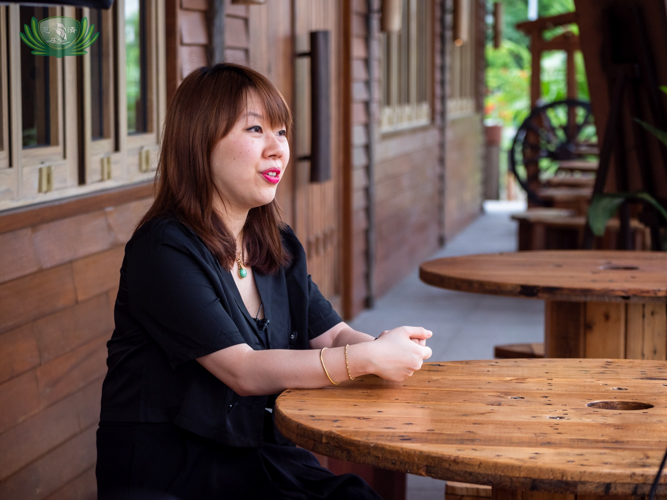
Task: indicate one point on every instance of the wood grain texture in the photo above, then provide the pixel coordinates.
(72, 238)
(31, 297)
(18, 255)
(556, 275)
(512, 424)
(98, 273)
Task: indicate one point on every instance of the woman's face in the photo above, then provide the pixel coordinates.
(249, 162)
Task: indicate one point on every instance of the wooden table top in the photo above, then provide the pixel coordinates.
(522, 424)
(569, 275)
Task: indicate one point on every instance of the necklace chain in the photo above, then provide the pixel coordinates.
(239, 260)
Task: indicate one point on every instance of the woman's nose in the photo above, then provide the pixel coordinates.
(275, 148)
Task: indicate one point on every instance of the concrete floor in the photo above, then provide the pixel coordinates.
(465, 326)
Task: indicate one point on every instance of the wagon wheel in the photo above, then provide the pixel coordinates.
(555, 132)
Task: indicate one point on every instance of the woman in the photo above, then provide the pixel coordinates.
(216, 315)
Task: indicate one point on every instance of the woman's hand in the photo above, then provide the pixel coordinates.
(398, 353)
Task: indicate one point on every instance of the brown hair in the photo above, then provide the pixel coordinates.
(204, 109)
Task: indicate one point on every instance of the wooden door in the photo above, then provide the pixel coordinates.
(317, 206)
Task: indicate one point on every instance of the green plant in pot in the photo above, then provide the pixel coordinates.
(604, 206)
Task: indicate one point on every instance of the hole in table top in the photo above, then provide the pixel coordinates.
(618, 267)
(620, 405)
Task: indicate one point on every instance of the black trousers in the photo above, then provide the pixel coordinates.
(164, 462)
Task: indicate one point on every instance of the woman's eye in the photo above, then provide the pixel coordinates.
(256, 129)
(282, 133)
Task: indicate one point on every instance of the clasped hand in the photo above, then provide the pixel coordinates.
(400, 352)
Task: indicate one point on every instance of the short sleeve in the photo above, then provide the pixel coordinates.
(172, 292)
(321, 314)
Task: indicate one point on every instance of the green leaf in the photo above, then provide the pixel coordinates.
(602, 208)
(87, 44)
(33, 38)
(28, 42)
(660, 134)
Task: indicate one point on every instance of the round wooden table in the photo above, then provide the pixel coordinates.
(599, 304)
(575, 426)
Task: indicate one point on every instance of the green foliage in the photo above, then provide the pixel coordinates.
(604, 206)
(509, 67)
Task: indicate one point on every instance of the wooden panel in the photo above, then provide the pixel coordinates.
(18, 255)
(73, 371)
(194, 30)
(236, 33)
(655, 331)
(98, 273)
(359, 113)
(634, 328)
(34, 296)
(359, 70)
(192, 57)
(563, 329)
(19, 399)
(83, 487)
(124, 218)
(19, 352)
(47, 475)
(605, 330)
(195, 4)
(238, 56)
(48, 429)
(360, 91)
(28, 217)
(72, 238)
(238, 10)
(63, 331)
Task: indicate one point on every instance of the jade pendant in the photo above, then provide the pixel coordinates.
(242, 273)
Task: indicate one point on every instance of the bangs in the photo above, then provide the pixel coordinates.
(275, 107)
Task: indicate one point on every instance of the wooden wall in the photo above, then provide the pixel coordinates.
(187, 40)
(58, 281)
(463, 173)
(407, 175)
(464, 138)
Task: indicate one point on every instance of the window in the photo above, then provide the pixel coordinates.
(81, 123)
(407, 69)
(463, 84)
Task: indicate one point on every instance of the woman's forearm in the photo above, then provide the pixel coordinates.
(395, 356)
(248, 372)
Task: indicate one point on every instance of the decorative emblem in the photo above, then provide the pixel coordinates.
(59, 36)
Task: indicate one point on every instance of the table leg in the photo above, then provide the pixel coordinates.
(616, 330)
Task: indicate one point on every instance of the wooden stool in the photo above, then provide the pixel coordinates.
(533, 350)
(465, 491)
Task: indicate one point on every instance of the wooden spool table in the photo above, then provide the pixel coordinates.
(557, 426)
(599, 304)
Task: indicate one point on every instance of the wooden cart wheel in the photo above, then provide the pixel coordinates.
(556, 132)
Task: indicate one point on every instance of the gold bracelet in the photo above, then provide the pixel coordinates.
(347, 364)
(325, 368)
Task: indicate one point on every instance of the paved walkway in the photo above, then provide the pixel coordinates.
(465, 326)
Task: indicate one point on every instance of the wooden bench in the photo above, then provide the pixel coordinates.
(573, 198)
(578, 166)
(544, 229)
(571, 181)
(508, 351)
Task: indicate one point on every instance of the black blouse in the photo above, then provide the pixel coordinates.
(175, 304)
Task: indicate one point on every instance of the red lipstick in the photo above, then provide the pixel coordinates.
(272, 175)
